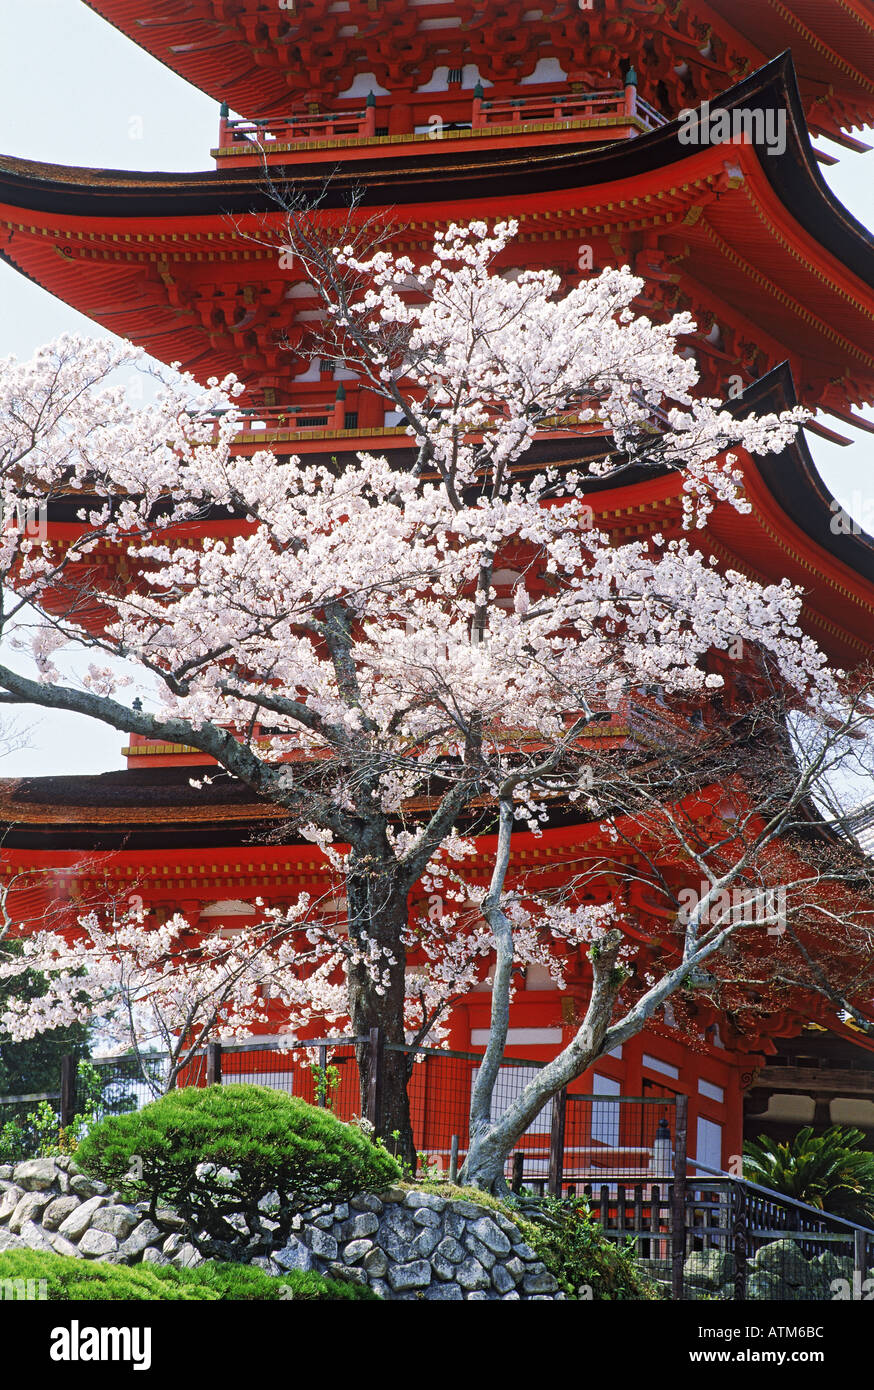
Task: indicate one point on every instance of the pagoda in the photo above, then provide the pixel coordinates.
(570, 118)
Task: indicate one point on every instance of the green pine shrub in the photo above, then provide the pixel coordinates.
(69, 1279)
(214, 1153)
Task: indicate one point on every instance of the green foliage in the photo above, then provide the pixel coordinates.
(69, 1279)
(326, 1081)
(243, 1282)
(35, 1064)
(572, 1244)
(39, 1134)
(832, 1171)
(214, 1153)
(568, 1239)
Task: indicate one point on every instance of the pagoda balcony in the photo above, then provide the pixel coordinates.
(362, 417)
(629, 725)
(553, 117)
(618, 108)
(299, 421)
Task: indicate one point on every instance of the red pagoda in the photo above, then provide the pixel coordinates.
(568, 118)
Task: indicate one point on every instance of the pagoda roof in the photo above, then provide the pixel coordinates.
(262, 60)
(791, 532)
(832, 43)
(794, 529)
(157, 807)
(787, 533)
(742, 231)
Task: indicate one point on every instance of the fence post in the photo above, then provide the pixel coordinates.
(213, 1064)
(518, 1171)
(860, 1243)
(375, 1054)
(68, 1090)
(739, 1242)
(556, 1143)
(322, 1086)
(453, 1158)
(678, 1196)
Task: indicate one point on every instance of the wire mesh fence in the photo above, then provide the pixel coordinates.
(575, 1140)
(323, 1072)
(704, 1234)
(745, 1242)
(116, 1085)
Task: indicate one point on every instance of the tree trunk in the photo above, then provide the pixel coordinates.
(377, 920)
(492, 1141)
(484, 1165)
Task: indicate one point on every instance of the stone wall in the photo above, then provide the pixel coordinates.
(411, 1245)
(405, 1244)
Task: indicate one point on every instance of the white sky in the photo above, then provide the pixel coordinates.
(74, 91)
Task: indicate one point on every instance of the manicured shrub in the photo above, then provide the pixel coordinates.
(66, 1278)
(215, 1153)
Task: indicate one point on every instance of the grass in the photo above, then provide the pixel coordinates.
(68, 1279)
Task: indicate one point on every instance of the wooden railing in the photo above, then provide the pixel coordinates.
(618, 107)
(614, 106)
(284, 130)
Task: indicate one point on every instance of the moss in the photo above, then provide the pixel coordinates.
(453, 1192)
(71, 1280)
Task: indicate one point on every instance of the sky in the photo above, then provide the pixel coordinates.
(75, 91)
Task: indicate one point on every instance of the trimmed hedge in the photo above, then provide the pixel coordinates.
(213, 1153)
(69, 1279)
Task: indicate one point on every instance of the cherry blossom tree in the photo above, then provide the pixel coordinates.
(363, 615)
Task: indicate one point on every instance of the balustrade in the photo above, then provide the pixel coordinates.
(617, 109)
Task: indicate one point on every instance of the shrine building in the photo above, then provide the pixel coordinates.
(574, 120)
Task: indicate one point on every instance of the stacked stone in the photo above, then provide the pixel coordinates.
(418, 1245)
(778, 1272)
(405, 1244)
(47, 1204)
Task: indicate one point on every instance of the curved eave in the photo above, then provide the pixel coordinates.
(787, 534)
(764, 219)
(470, 173)
(796, 486)
(832, 45)
(153, 808)
(36, 839)
(834, 42)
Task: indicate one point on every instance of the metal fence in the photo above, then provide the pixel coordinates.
(321, 1071)
(744, 1241)
(704, 1234)
(577, 1140)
